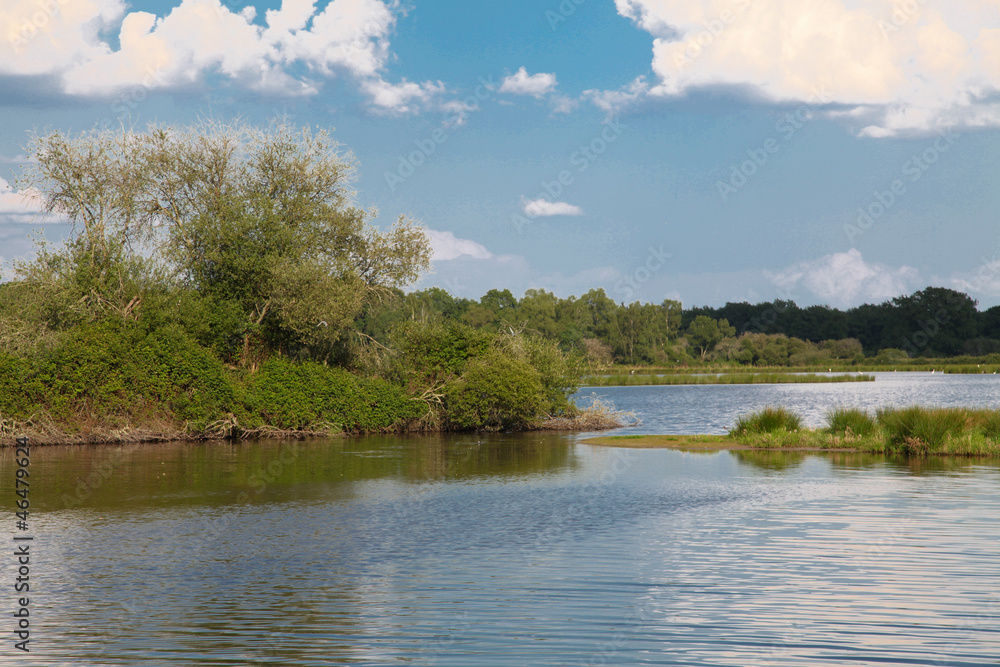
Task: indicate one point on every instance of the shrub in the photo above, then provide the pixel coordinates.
(496, 392)
(848, 421)
(767, 420)
(308, 395)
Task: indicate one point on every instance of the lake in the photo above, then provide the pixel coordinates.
(519, 549)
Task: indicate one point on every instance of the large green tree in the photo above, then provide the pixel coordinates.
(261, 218)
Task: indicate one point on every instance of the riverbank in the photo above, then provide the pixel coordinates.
(599, 415)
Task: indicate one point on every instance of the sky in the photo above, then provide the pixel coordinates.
(831, 152)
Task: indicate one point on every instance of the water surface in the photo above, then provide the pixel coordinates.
(510, 549)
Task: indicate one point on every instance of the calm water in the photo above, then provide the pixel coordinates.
(714, 408)
(516, 549)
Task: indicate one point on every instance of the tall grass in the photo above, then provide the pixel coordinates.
(911, 430)
(767, 420)
(850, 421)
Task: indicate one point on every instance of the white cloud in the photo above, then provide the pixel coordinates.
(985, 281)
(536, 85)
(202, 37)
(563, 104)
(402, 97)
(540, 208)
(613, 101)
(17, 206)
(910, 64)
(845, 279)
(445, 246)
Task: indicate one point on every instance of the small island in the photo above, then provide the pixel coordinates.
(914, 431)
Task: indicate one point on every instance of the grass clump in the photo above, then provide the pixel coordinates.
(850, 421)
(918, 430)
(767, 420)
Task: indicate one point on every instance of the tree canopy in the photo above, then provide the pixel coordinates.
(261, 219)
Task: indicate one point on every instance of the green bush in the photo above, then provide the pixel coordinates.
(767, 420)
(433, 352)
(497, 391)
(558, 373)
(850, 421)
(307, 395)
(113, 370)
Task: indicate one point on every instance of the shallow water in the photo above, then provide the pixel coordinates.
(509, 549)
(713, 408)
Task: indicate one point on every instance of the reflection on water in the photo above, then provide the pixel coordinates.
(510, 549)
(714, 408)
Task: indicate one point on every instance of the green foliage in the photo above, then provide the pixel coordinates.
(890, 355)
(496, 392)
(850, 421)
(290, 395)
(260, 219)
(118, 371)
(767, 420)
(704, 333)
(431, 353)
(558, 373)
(916, 430)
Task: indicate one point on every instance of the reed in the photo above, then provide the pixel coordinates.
(767, 420)
(850, 421)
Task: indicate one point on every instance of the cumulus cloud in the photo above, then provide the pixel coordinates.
(536, 85)
(845, 279)
(198, 38)
(905, 65)
(445, 246)
(984, 281)
(17, 206)
(540, 208)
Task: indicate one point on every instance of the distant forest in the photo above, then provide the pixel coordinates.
(932, 322)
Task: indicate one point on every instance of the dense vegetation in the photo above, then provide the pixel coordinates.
(911, 430)
(217, 282)
(929, 324)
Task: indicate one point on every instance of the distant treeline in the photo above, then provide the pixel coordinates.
(935, 321)
(932, 322)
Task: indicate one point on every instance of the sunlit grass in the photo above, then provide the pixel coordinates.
(850, 421)
(767, 420)
(913, 430)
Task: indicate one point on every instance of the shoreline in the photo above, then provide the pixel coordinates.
(706, 443)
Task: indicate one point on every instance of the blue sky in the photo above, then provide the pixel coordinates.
(838, 151)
